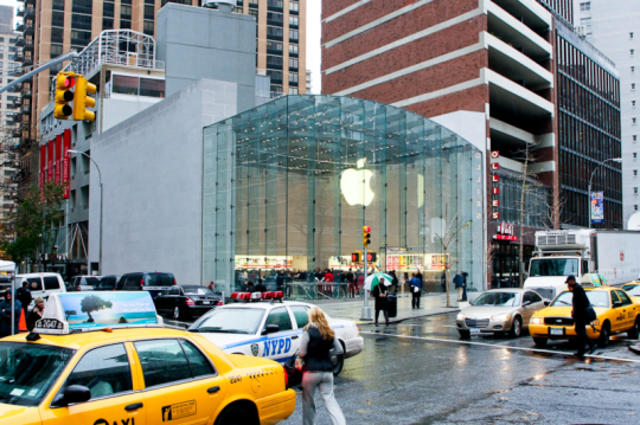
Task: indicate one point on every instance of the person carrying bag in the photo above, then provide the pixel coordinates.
(317, 345)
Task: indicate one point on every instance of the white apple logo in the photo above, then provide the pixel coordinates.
(355, 184)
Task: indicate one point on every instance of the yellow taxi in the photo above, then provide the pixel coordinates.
(616, 312)
(72, 369)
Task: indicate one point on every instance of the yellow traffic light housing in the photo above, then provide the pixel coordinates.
(366, 236)
(82, 100)
(65, 81)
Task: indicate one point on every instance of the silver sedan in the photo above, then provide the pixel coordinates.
(499, 311)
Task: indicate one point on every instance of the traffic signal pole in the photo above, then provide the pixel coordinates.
(366, 239)
(46, 65)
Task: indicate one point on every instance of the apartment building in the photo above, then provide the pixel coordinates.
(10, 106)
(613, 28)
(53, 27)
(541, 102)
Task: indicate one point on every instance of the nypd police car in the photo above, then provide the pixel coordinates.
(271, 329)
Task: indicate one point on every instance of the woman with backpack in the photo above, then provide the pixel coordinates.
(314, 358)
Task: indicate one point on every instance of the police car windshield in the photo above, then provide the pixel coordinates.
(508, 299)
(230, 320)
(27, 371)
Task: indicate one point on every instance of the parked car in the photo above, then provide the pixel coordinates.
(42, 284)
(154, 282)
(186, 302)
(499, 311)
(83, 283)
(107, 282)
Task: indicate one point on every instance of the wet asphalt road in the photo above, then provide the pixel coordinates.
(418, 372)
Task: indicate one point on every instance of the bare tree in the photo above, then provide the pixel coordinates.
(449, 235)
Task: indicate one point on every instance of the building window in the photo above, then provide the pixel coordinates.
(635, 137)
(635, 207)
(630, 35)
(635, 190)
(633, 121)
(635, 155)
(585, 5)
(635, 172)
(633, 86)
(633, 103)
(633, 68)
(632, 52)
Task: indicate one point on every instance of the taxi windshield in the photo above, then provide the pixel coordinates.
(230, 320)
(596, 298)
(507, 299)
(27, 371)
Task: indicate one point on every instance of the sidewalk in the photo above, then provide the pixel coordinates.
(430, 305)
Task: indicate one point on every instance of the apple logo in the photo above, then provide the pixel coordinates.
(355, 184)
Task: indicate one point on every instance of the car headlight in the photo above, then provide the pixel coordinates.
(500, 317)
(536, 321)
(460, 317)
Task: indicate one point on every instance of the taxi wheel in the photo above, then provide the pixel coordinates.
(516, 327)
(605, 333)
(238, 413)
(633, 332)
(540, 342)
(176, 313)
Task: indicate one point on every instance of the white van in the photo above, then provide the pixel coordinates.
(42, 284)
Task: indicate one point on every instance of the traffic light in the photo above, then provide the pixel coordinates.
(371, 257)
(355, 257)
(82, 100)
(366, 236)
(64, 83)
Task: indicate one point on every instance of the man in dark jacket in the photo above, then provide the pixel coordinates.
(380, 295)
(579, 314)
(23, 295)
(416, 291)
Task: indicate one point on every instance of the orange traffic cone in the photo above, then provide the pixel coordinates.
(22, 324)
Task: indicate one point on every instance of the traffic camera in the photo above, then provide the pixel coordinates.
(65, 81)
(82, 100)
(366, 236)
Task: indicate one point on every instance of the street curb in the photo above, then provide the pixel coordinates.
(635, 348)
(440, 313)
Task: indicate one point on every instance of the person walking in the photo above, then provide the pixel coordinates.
(416, 291)
(35, 314)
(351, 282)
(314, 358)
(5, 314)
(464, 286)
(380, 295)
(23, 294)
(458, 283)
(579, 314)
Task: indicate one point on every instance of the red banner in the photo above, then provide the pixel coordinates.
(43, 168)
(50, 161)
(66, 162)
(58, 168)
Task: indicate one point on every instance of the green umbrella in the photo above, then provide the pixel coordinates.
(375, 279)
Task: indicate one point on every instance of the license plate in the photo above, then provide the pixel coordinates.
(556, 331)
(206, 302)
(474, 331)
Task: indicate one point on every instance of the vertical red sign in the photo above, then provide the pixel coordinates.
(50, 161)
(43, 168)
(66, 162)
(58, 168)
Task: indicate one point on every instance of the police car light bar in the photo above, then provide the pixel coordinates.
(257, 296)
(69, 312)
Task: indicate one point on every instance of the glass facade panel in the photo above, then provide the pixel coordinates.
(289, 185)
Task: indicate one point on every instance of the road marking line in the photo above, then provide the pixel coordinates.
(509, 347)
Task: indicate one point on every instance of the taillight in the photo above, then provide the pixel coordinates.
(220, 303)
(190, 301)
(174, 281)
(141, 282)
(286, 377)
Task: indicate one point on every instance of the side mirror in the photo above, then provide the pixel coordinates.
(72, 394)
(546, 303)
(271, 329)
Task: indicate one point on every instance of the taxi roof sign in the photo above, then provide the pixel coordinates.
(93, 310)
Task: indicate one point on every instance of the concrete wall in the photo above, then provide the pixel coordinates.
(152, 174)
(200, 43)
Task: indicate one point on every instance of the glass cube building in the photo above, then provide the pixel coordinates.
(290, 184)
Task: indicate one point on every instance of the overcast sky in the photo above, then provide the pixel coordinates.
(313, 40)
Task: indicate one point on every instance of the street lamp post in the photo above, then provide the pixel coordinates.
(593, 173)
(100, 227)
